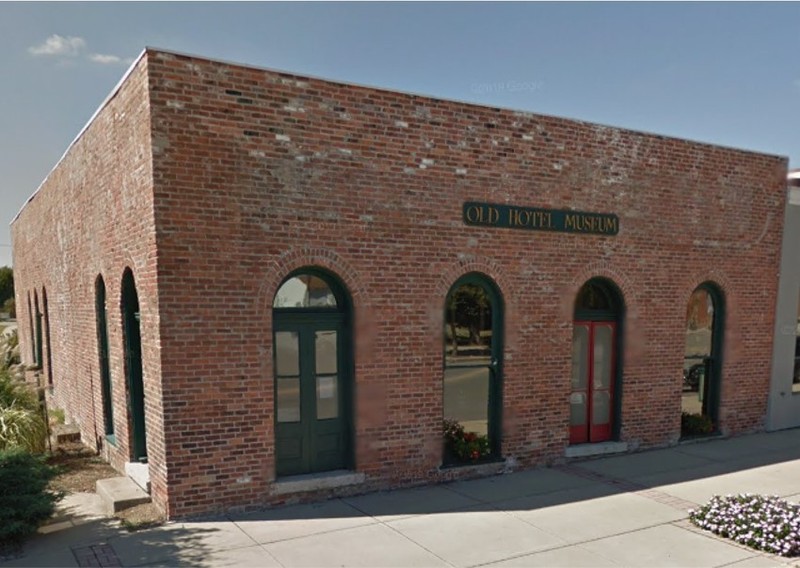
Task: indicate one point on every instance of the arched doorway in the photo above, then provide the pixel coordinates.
(313, 374)
(596, 363)
(473, 354)
(702, 361)
(133, 366)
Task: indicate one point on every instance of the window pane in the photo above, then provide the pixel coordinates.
(577, 409)
(699, 339)
(288, 400)
(699, 323)
(326, 352)
(580, 357)
(466, 397)
(468, 325)
(304, 291)
(602, 357)
(601, 407)
(593, 296)
(327, 397)
(286, 353)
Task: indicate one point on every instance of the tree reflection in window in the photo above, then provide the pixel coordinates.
(468, 329)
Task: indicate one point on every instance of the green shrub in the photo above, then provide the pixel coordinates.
(22, 423)
(10, 307)
(25, 500)
(9, 350)
(695, 424)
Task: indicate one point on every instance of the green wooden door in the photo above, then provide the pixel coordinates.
(311, 394)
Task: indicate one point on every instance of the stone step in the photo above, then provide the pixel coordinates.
(120, 493)
(65, 434)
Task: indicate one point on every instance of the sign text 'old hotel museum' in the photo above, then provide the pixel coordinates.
(535, 219)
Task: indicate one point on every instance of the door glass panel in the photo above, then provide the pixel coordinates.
(288, 402)
(286, 353)
(327, 397)
(325, 342)
(601, 407)
(601, 379)
(580, 357)
(577, 409)
(466, 397)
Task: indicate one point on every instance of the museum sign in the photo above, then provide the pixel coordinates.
(536, 219)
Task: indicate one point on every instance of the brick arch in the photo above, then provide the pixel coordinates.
(462, 267)
(480, 265)
(732, 338)
(294, 259)
(715, 277)
(113, 273)
(622, 281)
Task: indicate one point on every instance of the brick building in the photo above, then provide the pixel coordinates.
(270, 287)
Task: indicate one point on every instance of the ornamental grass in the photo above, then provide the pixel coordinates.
(766, 523)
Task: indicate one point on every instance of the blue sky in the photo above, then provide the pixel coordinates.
(717, 72)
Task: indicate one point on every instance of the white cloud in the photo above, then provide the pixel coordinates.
(73, 47)
(104, 59)
(58, 45)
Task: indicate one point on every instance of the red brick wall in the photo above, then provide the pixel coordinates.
(257, 173)
(93, 216)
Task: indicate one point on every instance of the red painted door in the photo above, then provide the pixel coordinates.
(592, 391)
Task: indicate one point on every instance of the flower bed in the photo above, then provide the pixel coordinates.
(766, 523)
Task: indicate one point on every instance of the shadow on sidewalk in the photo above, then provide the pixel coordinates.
(765, 462)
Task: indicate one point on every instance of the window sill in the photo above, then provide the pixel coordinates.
(317, 481)
(698, 438)
(596, 449)
(111, 439)
(485, 466)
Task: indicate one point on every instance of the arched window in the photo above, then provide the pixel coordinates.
(702, 361)
(596, 363)
(312, 348)
(473, 352)
(101, 320)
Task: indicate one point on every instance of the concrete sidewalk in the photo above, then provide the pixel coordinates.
(628, 510)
